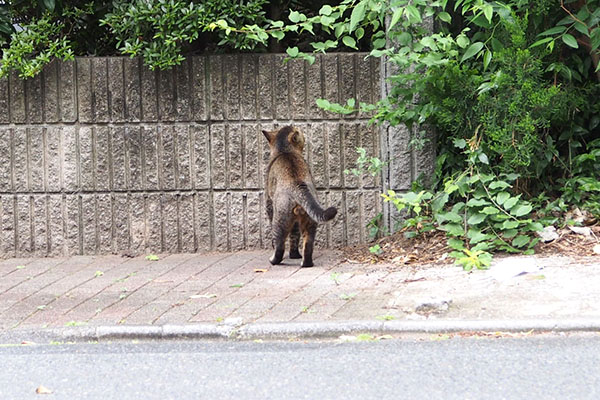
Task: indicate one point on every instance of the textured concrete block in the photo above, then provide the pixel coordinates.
(70, 176)
(331, 82)
(338, 224)
(8, 232)
(316, 152)
(170, 219)
(53, 156)
(6, 159)
(134, 158)
(23, 225)
(150, 158)
(154, 223)
(221, 218)
(334, 149)
(88, 224)
(56, 225)
(20, 164)
(297, 86)
(102, 155)
(100, 88)
(314, 88)
(349, 144)
(116, 89)
(72, 226)
(68, 91)
(366, 85)
(186, 221)
(369, 140)
(399, 162)
(347, 76)
(253, 221)
(137, 222)
(167, 158)
(121, 229)
(218, 152)
(36, 159)
(253, 138)
(372, 207)
(201, 156)
(4, 101)
(232, 75)
(355, 221)
(34, 99)
(199, 85)
(266, 106)
(266, 233)
(183, 157)
(203, 212)
(237, 221)
(104, 216)
(183, 88)
(281, 90)
(86, 157)
(166, 96)
(51, 94)
(17, 111)
(149, 94)
(118, 162)
(249, 84)
(133, 89)
(40, 225)
(85, 97)
(235, 146)
(217, 88)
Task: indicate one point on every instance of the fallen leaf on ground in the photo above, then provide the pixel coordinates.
(27, 342)
(43, 390)
(203, 296)
(596, 249)
(260, 270)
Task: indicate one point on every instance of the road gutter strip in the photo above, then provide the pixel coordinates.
(287, 330)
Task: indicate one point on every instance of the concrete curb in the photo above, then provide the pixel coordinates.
(287, 330)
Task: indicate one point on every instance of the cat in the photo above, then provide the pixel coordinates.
(292, 204)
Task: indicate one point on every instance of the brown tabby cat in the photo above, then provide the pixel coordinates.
(292, 204)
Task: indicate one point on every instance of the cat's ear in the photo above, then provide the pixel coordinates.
(268, 135)
(296, 138)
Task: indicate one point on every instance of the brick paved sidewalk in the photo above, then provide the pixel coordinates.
(215, 287)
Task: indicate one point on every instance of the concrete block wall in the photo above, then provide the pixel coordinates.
(102, 155)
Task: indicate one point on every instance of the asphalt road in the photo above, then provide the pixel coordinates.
(458, 368)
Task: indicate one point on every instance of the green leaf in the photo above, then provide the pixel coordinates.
(444, 16)
(570, 41)
(294, 17)
(483, 158)
(49, 5)
(292, 51)
(472, 50)
(510, 233)
(520, 241)
(511, 224)
(413, 13)
(510, 203)
(521, 210)
(450, 216)
(542, 41)
(477, 202)
(502, 197)
(326, 10)
(453, 229)
(487, 57)
(357, 15)
(499, 185)
(462, 41)
(488, 11)
(395, 17)
(349, 41)
(152, 257)
(553, 31)
(476, 219)
(456, 244)
(477, 236)
(490, 210)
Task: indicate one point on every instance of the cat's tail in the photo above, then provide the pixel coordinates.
(309, 203)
